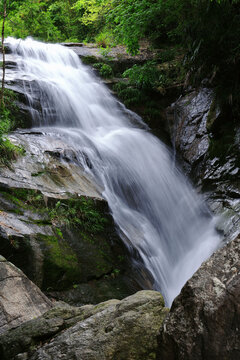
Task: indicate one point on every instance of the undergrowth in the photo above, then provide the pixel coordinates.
(8, 151)
(81, 213)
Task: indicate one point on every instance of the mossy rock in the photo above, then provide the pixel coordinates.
(74, 257)
(68, 242)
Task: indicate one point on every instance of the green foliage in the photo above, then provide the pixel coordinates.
(25, 198)
(134, 19)
(8, 151)
(128, 93)
(91, 15)
(105, 70)
(207, 30)
(212, 33)
(104, 39)
(104, 51)
(80, 213)
(168, 54)
(32, 18)
(145, 76)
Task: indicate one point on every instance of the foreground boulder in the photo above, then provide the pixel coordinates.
(204, 320)
(120, 330)
(20, 299)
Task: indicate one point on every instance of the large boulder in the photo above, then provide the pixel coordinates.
(115, 329)
(204, 320)
(20, 299)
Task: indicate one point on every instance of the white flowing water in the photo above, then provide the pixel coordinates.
(155, 208)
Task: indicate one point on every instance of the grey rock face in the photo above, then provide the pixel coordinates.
(114, 329)
(16, 341)
(121, 330)
(46, 167)
(20, 299)
(73, 263)
(208, 144)
(190, 132)
(204, 321)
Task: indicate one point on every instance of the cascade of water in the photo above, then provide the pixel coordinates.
(156, 209)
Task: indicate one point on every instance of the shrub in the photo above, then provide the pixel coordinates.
(105, 70)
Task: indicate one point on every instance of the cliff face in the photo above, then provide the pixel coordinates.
(207, 144)
(204, 319)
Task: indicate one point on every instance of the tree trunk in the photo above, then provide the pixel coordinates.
(3, 54)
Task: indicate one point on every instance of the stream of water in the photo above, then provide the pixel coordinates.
(157, 211)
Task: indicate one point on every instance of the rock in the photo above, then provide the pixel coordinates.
(207, 142)
(204, 321)
(48, 166)
(70, 261)
(116, 54)
(20, 299)
(115, 329)
(44, 174)
(188, 125)
(117, 285)
(57, 256)
(19, 339)
(71, 44)
(45, 200)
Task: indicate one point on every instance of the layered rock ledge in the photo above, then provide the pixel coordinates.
(55, 225)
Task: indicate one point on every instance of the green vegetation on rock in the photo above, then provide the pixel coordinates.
(75, 237)
(83, 213)
(8, 122)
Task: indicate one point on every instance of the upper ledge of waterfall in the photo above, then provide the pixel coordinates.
(49, 165)
(116, 54)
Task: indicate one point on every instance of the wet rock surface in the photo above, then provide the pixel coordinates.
(208, 145)
(115, 329)
(48, 166)
(45, 199)
(204, 319)
(20, 299)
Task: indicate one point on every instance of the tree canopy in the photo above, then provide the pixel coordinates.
(207, 30)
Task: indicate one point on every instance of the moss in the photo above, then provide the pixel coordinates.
(24, 198)
(60, 263)
(221, 148)
(81, 248)
(38, 173)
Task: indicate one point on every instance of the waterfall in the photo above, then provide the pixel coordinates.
(157, 211)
